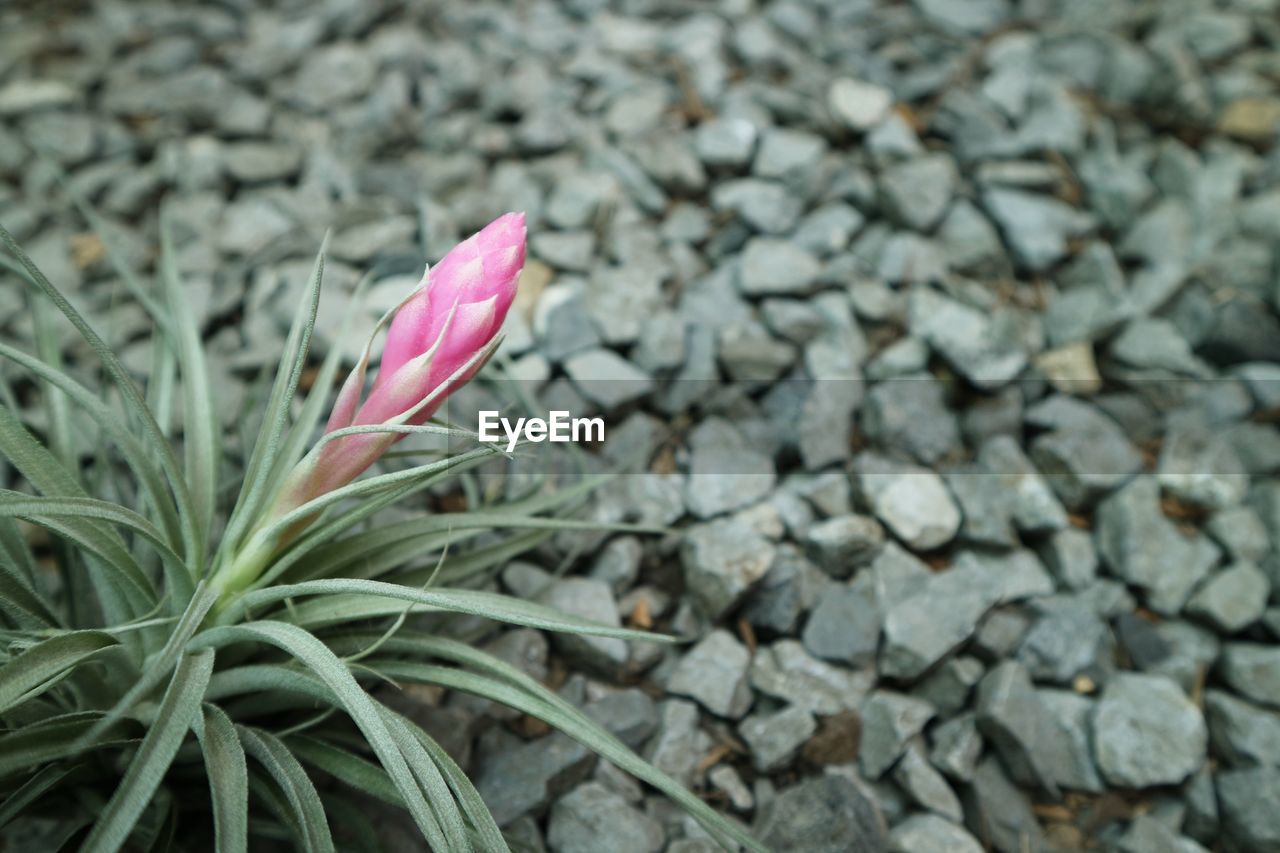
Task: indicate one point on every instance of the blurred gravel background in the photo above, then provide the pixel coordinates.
(945, 330)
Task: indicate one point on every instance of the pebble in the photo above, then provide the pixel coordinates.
(679, 743)
(889, 722)
(590, 599)
(858, 105)
(726, 142)
(1038, 228)
(787, 672)
(845, 543)
(1001, 811)
(517, 778)
(956, 747)
(845, 624)
(722, 561)
(714, 672)
(827, 814)
(775, 738)
(911, 501)
(926, 786)
(930, 832)
(1012, 717)
(1147, 732)
(1232, 599)
(581, 817)
(1247, 799)
(916, 192)
(765, 206)
(770, 266)
(606, 378)
(1253, 671)
(1241, 733)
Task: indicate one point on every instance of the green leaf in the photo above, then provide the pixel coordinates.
(44, 509)
(19, 601)
(33, 789)
(507, 685)
(178, 709)
(23, 676)
(257, 487)
(225, 766)
(364, 776)
(48, 344)
(53, 739)
(284, 769)
(132, 397)
(124, 591)
(199, 420)
(347, 600)
(309, 650)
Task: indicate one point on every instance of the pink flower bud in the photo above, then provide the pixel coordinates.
(438, 339)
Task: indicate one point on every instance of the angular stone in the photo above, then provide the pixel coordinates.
(1070, 555)
(606, 378)
(857, 105)
(1011, 716)
(1240, 733)
(930, 832)
(1253, 671)
(917, 192)
(1037, 227)
(1074, 715)
(957, 744)
(1146, 732)
(787, 672)
(1085, 454)
(772, 266)
(845, 624)
(775, 738)
(844, 544)
(727, 142)
(589, 599)
(1231, 599)
(1247, 799)
(913, 502)
(829, 814)
(1068, 639)
(679, 744)
(722, 560)
(580, 818)
(926, 786)
(522, 777)
(999, 812)
(889, 722)
(1144, 548)
(714, 672)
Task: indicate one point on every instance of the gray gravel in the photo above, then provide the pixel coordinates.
(941, 337)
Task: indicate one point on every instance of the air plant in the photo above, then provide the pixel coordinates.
(186, 671)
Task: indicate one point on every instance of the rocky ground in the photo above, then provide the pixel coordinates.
(945, 332)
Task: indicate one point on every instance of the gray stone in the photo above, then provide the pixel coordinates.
(1147, 732)
(28, 96)
(981, 346)
(786, 591)
(845, 624)
(829, 814)
(679, 744)
(771, 266)
(1241, 532)
(766, 206)
(714, 672)
(930, 623)
(775, 738)
(722, 560)
(620, 299)
(1000, 633)
(1038, 228)
(912, 502)
(250, 224)
(828, 229)
(1074, 714)
(1191, 651)
(889, 722)
(580, 818)
(1253, 671)
(1068, 639)
(969, 17)
(254, 162)
(331, 75)
(956, 746)
(1200, 465)
(750, 354)
(1069, 553)
(858, 105)
(969, 240)
(593, 600)
(629, 715)
(917, 192)
(910, 414)
(1247, 799)
(517, 778)
(362, 242)
(1240, 733)
(1231, 599)
(606, 378)
(572, 251)
(926, 786)
(1149, 834)
(948, 687)
(788, 154)
(787, 672)
(1144, 548)
(727, 142)
(1155, 344)
(1085, 454)
(844, 544)
(725, 471)
(1000, 813)
(1012, 717)
(930, 832)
